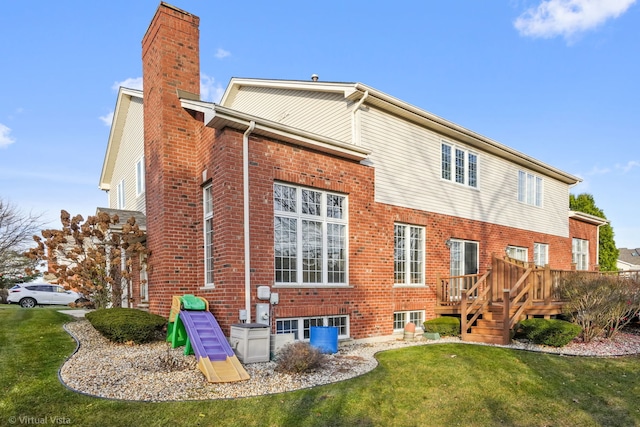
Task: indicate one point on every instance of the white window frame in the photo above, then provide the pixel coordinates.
(411, 256)
(530, 189)
(140, 183)
(301, 326)
(401, 318)
(120, 196)
(580, 253)
(326, 215)
(459, 165)
(541, 254)
(207, 215)
(518, 252)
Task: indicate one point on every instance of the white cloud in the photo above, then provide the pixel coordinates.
(598, 171)
(5, 138)
(629, 166)
(221, 53)
(568, 17)
(209, 89)
(131, 83)
(107, 119)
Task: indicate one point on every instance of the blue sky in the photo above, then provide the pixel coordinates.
(555, 79)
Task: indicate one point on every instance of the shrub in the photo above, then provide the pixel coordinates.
(127, 324)
(299, 357)
(445, 326)
(600, 304)
(551, 332)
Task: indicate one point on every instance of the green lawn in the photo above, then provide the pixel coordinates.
(435, 385)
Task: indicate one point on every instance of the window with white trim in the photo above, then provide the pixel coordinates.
(207, 201)
(580, 253)
(401, 318)
(541, 254)
(310, 236)
(529, 189)
(408, 256)
(301, 326)
(459, 165)
(120, 195)
(140, 176)
(517, 252)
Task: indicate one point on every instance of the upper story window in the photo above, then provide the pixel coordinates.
(310, 236)
(540, 254)
(517, 252)
(529, 189)
(459, 165)
(207, 201)
(408, 256)
(120, 195)
(580, 253)
(140, 176)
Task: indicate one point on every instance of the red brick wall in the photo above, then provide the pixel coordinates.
(170, 61)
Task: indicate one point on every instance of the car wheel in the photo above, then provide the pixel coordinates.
(27, 303)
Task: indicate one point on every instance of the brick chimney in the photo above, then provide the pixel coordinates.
(171, 61)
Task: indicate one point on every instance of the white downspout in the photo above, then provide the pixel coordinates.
(245, 191)
(355, 135)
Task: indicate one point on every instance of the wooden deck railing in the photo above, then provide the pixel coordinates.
(514, 285)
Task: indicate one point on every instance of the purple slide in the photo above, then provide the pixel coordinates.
(205, 335)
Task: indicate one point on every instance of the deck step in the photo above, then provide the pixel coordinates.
(476, 330)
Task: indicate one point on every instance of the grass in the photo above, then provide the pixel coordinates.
(444, 384)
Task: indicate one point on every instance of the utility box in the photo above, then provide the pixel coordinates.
(250, 341)
(278, 341)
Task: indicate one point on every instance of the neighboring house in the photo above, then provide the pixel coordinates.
(123, 178)
(629, 259)
(347, 203)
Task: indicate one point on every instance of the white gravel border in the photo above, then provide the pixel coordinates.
(156, 372)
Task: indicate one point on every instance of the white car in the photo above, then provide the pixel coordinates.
(29, 295)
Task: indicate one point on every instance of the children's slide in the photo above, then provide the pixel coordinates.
(191, 324)
(216, 358)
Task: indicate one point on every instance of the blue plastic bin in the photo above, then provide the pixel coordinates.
(324, 338)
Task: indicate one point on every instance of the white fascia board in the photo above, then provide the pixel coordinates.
(588, 218)
(216, 116)
(347, 89)
(115, 134)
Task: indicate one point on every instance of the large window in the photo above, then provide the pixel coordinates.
(459, 165)
(580, 253)
(310, 229)
(529, 189)
(401, 318)
(120, 195)
(208, 234)
(140, 176)
(301, 327)
(408, 254)
(463, 261)
(540, 254)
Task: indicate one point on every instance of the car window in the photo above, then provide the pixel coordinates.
(33, 288)
(59, 289)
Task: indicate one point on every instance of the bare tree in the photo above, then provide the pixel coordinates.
(16, 230)
(92, 256)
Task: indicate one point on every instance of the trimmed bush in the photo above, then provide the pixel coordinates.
(445, 326)
(551, 332)
(299, 357)
(127, 324)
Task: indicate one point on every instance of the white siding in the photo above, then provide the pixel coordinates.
(318, 112)
(406, 158)
(130, 150)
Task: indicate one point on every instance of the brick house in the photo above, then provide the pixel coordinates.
(346, 202)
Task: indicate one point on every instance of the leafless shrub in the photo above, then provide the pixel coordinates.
(300, 357)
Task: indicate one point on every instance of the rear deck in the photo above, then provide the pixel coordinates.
(491, 304)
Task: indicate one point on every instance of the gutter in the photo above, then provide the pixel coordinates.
(245, 191)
